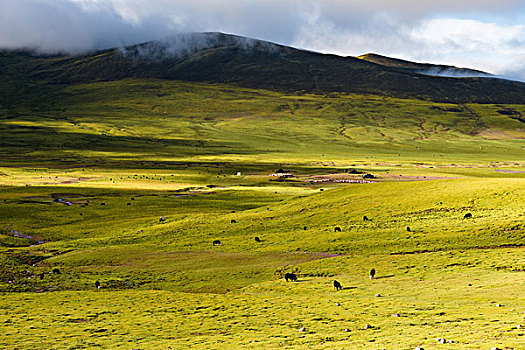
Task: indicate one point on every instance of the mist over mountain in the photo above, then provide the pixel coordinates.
(486, 35)
(183, 45)
(223, 58)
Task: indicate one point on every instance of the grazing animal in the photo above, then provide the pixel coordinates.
(365, 218)
(102, 203)
(162, 219)
(233, 221)
(468, 216)
(290, 276)
(97, 284)
(217, 242)
(372, 273)
(304, 228)
(56, 271)
(408, 229)
(41, 276)
(337, 285)
(257, 239)
(337, 229)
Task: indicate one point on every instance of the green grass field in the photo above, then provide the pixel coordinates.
(87, 170)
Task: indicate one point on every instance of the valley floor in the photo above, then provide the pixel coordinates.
(164, 285)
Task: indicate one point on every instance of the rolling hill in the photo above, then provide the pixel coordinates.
(221, 58)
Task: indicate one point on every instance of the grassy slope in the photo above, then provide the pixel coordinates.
(162, 123)
(162, 143)
(146, 276)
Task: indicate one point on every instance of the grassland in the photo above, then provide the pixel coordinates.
(88, 169)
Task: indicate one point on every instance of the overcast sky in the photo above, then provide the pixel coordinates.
(482, 34)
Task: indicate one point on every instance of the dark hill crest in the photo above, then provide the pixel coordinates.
(224, 58)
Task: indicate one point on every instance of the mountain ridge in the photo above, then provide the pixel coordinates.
(224, 58)
(424, 68)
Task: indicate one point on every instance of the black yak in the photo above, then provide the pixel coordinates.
(290, 276)
(337, 285)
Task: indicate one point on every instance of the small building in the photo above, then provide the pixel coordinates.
(283, 175)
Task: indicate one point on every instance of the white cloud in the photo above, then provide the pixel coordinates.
(492, 47)
(468, 34)
(466, 43)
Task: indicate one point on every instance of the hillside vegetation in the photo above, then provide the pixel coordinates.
(131, 122)
(221, 58)
(130, 181)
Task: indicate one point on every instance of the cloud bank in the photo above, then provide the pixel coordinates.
(483, 34)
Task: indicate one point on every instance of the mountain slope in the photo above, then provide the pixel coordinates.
(423, 68)
(221, 58)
